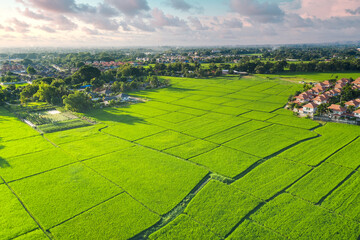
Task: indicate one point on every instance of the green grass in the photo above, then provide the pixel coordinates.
(311, 77)
(298, 219)
(58, 195)
(256, 115)
(314, 151)
(348, 156)
(158, 180)
(345, 199)
(175, 117)
(236, 132)
(226, 161)
(208, 130)
(33, 163)
(294, 121)
(93, 146)
(74, 134)
(319, 182)
(23, 146)
(192, 111)
(165, 140)
(220, 207)
(183, 227)
(134, 132)
(250, 230)
(14, 220)
(263, 106)
(37, 234)
(127, 218)
(261, 143)
(191, 149)
(294, 133)
(271, 177)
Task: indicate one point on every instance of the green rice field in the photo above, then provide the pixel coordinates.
(215, 158)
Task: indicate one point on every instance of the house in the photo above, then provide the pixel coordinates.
(321, 99)
(343, 80)
(310, 108)
(318, 90)
(339, 86)
(357, 82)
(337, 109)
(357, 113)
(355, 103)
(303, 98)
(327, 84)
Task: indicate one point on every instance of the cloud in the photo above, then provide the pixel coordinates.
(180, 5)
(262, 12)
(130, 7)
(232, 23)
(63, 23)
(353, 12)
(47, 29)
(296, 21)
(195, 22)
(161, 20)
(17, 26)
(30, 14)
(60, 6)
(90, 31)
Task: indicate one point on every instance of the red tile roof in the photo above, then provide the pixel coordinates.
(310, 105)
(337, 108)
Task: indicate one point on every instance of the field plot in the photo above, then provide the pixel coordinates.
(23, 146)
(237, 131)
(271, 177)
(261, 143)
(263, 106)
(294, 121)
(220, 207)
(184, 228)
(165, 140)
(158, 180)
(348, 156)
(191, 149)
(345, 199)
(298, 219)
(294, 133)
(319, 182)
(33, 235)
(94, 146)
(211, 129)
(249, 230)
(314, 151)
(256, 115)
(175, 117)
(134, 132)
(226, 161)
(58, 195)
(74, 134)
(34, 163)
(14, 220)
(127, 218)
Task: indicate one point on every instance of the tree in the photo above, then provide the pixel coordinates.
(85, 74)
(78, 102)
(31, 70)
(2, 96)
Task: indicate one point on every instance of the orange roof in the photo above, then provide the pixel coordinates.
(310, 105)
(326, 83)
(357, 111)
(337, 108)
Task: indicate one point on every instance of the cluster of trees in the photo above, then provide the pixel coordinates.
(334, 65)
(9, 77)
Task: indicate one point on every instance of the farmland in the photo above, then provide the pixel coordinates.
(215, 158)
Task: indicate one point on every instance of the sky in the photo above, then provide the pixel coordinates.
(124, 23)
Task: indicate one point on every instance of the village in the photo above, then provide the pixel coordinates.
(329, 100)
